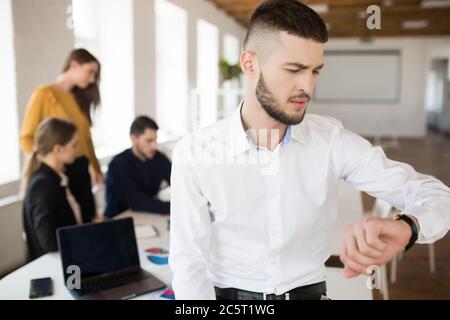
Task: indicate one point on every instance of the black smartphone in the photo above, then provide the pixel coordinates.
(41, 288)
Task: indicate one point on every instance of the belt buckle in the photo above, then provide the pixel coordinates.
(287, 296)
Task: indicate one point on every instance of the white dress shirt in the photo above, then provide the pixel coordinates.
(261, 220)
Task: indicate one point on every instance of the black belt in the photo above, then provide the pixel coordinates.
(315, 291)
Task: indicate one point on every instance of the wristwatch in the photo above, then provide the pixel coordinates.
(414, 228)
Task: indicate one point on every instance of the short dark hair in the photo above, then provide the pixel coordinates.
(291, 16)
(141, 123)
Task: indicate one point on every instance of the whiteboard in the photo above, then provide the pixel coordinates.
(360, 76)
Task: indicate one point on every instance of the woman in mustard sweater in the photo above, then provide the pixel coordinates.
(72, 96)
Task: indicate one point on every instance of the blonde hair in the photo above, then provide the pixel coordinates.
(51, 132)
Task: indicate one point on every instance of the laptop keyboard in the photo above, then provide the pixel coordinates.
(106, 283)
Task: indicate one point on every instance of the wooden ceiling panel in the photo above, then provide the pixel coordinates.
(346, 18)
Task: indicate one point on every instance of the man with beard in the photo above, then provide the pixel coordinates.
(239, 231)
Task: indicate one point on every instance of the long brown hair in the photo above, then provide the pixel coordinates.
(90, 97)
(50, 132)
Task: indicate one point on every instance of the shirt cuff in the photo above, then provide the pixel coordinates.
(430, 224)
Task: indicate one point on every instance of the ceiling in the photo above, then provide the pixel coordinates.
(347, 18)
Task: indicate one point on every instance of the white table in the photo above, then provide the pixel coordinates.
(16, 285)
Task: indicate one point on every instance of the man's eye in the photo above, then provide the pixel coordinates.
(292, 71)
(317, 72)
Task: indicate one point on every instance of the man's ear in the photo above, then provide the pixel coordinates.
(248, 63)
(134, 139)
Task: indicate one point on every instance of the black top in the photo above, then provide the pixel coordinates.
(45, 209)
(133, 184)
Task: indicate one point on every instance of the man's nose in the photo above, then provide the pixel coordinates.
(306, 83)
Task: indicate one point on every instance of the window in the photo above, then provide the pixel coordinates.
(207, 72)
(105, 28)
(231, 93)
(231, 48)
(171, 68)
(10, 154)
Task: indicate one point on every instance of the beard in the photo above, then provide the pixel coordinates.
(147, 155)
(272, 106)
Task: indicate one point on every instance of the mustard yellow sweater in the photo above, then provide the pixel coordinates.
(47, 101)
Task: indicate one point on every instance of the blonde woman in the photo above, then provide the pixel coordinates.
(48, 202)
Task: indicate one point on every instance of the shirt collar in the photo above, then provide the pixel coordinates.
(298, 134)
(240, 142)
(287, 136)
(237, 135)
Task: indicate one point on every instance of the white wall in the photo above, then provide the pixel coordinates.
(405, 118)
(42, 42)
(144, 57)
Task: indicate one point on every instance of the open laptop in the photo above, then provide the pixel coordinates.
(108, 261)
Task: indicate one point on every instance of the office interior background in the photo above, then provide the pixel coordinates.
(161, 58)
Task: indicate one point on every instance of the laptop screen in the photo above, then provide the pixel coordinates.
(99, 248)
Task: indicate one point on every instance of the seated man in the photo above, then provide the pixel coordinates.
(135, 175)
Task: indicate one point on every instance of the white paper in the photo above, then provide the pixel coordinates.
(147, 231)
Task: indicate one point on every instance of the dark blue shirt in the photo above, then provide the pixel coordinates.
(133, 184)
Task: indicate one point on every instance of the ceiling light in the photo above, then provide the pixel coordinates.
(415, 24)
(435, 3)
